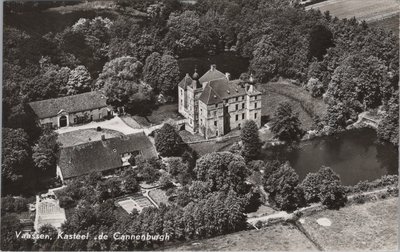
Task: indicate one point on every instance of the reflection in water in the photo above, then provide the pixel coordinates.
(355, 155)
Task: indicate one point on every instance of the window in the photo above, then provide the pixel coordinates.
(237, 117)
(215, 123)
(201, 112)
(216, 105)
(201, 121)
(255, 115)
(237, 98)
(237, 106)
(255, 105)
(214, 113)
(242, 105)
(243, 116)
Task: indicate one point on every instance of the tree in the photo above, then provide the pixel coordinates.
(282, 186)
(332, 193)
(223, 171)
(162, 73)
(184, 33)
(388, 128)
(15, 155)
(168, 142)
(250, 140)
(324, 186)
(310, 187)
(45, 151)
(79, 81)
(286, 124)
(131, 185)
(120, 80)
(321, 39)
(49, 230)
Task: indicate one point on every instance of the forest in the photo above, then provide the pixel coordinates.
(133, 60)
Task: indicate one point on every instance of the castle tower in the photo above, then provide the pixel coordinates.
(193, 93)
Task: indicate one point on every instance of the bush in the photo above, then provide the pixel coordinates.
(10, 204)
(67, 202)
(99, 128)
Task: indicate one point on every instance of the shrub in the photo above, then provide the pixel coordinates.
(10, 204)
(67, 202)
(99, 128)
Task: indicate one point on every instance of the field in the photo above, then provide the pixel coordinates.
(272, 238)
(390, 24)
(159, 196)
(371, 226)
(86, 135)
(159, 115)
(301, 101)
(382, 13)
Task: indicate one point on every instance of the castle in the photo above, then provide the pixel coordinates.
(214, 105)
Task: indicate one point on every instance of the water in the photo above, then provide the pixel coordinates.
(226, 62)
(355, 155)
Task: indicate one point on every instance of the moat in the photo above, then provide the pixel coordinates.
(355, 155)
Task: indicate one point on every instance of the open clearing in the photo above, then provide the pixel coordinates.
(368, 10)
(276, 92)
(273, 238)
(161, 114)
(370, 226)
(379, 13)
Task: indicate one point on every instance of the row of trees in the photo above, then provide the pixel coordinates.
(288, 193)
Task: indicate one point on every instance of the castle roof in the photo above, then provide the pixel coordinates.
(211, 74)
(186, 81)
(71, 104)
(102, 155)
(218, 90)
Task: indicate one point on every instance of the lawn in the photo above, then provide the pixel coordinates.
(272, 238)
(370, 226)
(368, 10)
(302, 103)
(213, 146)
(86, 135)
(159, 196)
(390, 24)
(159, 115)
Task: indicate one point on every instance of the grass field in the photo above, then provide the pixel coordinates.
(82, 136)
(370, 226)
(379, 13)
(159, 115)
(272, 238)
(301, 101)
(159, 196)
(390, 24)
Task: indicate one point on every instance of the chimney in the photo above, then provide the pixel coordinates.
(213, 67)
(228, 76)
(187, 75)
(103, 137)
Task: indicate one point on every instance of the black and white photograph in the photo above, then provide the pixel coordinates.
(200, 125)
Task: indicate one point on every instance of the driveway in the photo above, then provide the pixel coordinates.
(115, 123)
